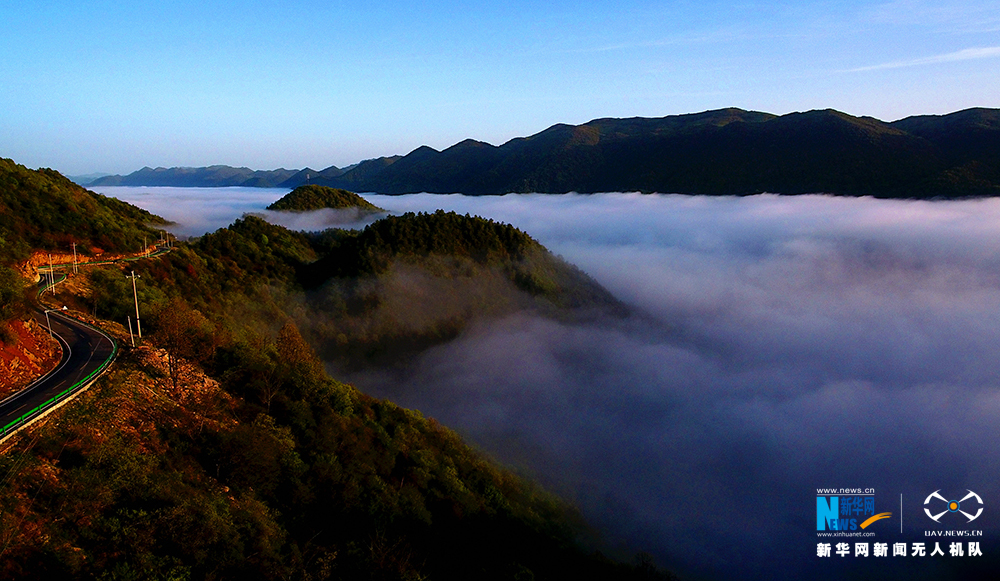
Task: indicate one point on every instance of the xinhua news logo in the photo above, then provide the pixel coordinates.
(847, 513)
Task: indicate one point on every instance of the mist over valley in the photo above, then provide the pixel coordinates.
(199, 210)
(775, 345)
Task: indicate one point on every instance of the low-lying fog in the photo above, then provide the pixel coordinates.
(787, 344)
(196, 211)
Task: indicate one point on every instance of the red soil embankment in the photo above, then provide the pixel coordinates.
(31, 356)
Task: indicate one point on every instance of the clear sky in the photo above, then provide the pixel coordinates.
(89, 86)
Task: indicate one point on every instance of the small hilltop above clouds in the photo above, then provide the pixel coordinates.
(312, 197)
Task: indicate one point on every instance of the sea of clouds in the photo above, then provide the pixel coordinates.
(778, 345)
(196, 211)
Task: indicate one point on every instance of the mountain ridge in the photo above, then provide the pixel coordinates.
(209, 176)
(719, 152)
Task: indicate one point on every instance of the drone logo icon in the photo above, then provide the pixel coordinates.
(952, 506)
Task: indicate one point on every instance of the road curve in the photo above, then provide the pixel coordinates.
(87, 352)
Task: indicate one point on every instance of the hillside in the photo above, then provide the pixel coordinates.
(26, 352)
(409, 282)
(352, 179)
(374, 297)
(312, 197)
(969, 144)
(221, 449)
(267, 469)
(40, 210)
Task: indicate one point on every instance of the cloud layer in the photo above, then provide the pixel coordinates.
(787, 344)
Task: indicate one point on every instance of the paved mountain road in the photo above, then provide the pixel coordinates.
(86, 353)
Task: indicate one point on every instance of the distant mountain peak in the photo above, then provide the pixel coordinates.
(470, 143)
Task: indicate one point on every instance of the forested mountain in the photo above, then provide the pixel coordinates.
(357, 176)
(969, 143)
(729, 151)
(723, 152)
(456, 268)
(374, 297)
(220, 448)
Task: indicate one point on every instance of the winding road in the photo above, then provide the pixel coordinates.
(86, 353)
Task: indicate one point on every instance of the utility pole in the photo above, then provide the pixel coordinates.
(131, 336)
(48, 323)
(52, 276)
(75, 270)
(135, 295)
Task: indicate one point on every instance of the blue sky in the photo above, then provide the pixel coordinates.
(110, 86)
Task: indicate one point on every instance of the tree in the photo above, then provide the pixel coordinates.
(301, 370)
(184, 333)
